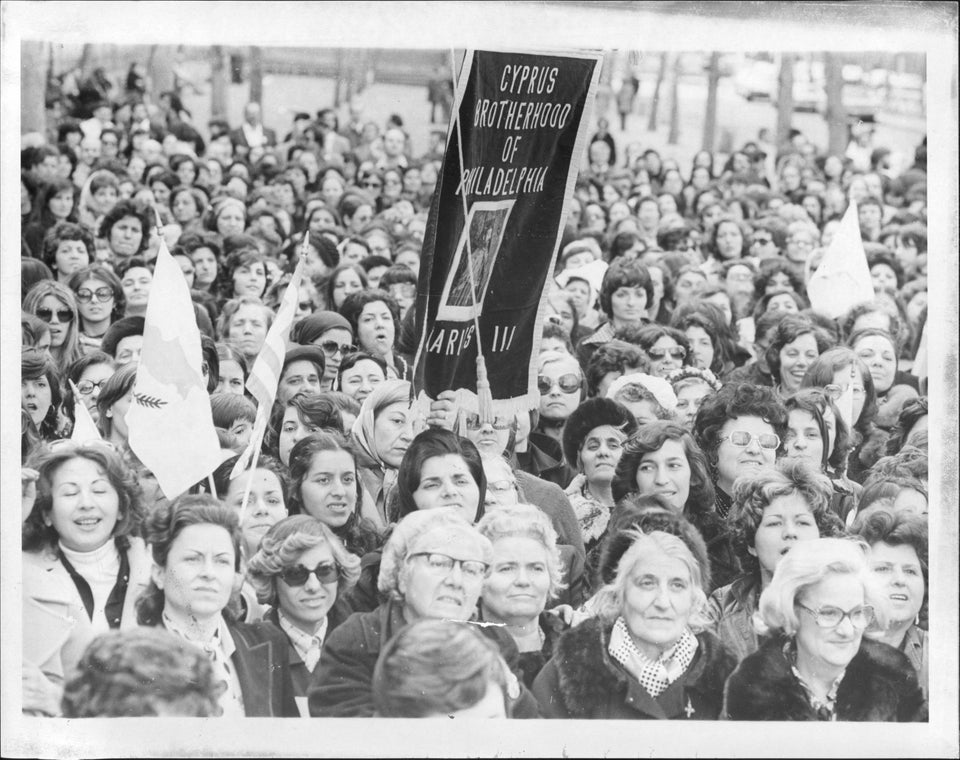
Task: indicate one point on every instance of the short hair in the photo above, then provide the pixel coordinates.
(771, 267)
(37, 535)
(883, 489)
(815, 402)
(405, 535)
(354, 303)
(731, 402)
(114, 388)
(61, 232)
(167, 521)
(624, 274)
(763, 302)
(831, 361)
(430, 443)
(35, 364)
(884, 306)
(591, 414)
(889, 260)
(232, 306)
(912, 411)
(227, 408)
(437, 667)
(555, 332)
(710, 319)
(613, 356)
(317, 409)
(109, 278)
(804, 566)
(611, 597)
(122, 210)
(650, 438)
(142, 672)
(526, 521)
(397, 274)
(282, 546)
(789, 329)
(646, 335)
(753, 494)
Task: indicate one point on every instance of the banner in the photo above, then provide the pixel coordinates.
(513, 153)
(170, 423)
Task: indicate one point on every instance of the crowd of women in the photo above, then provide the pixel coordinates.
(718, 510)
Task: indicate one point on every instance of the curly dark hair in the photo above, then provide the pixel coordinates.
(732, 401)
(789, 329)
(769, 268)
(624, 274)
(353, 305)
(613, 356)
(912, 411)
(830, 362)
(649, 438)
(591, 414)
(314, 409)
(63, 231)
(36, 535)
(36, 364)
(122, 210)
(108, 277)
(710, 319)
(815, 402)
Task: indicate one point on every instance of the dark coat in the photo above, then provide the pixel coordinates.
(724, 565)
(345, 674)
(529, 664)
(544, 459)
(582, 681)
(880, 685)
(261, 659)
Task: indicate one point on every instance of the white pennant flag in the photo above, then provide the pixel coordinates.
(84, 428)
(843, 278)
(170, 422)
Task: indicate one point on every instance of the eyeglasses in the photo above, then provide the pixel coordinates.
(502, 486)
(101, 294)
(742, 439)
(86, 387)
(499, 423)
(63, 315)
(835, 391)
(831, 617)
(568, 383)
(371, 184)
(331, 347)
(326, 572)
(677, 352)
(442, 564)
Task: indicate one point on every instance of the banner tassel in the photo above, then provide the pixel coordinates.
(484, 394)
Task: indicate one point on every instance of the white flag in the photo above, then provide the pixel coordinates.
(843, 278)
(170, 422)
(84, 428)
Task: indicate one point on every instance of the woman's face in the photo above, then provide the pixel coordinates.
(431, 590)
(292, 429)
(360, 219)
(783, 302)
(347, 282)
(899, 575)
(812, 206)
(701, 345)
(786, 520)
(93, 378)
(392, 184)
(136, 287)
(518, 586)
(248, 329)
(187, 173)
(37, 396)
(844, 378)
(501, 484)
(118, 414)
(657, 602)
(729, 240)
(307, 606)
(198, 578)
(298, 377)
(71, 255)
(58, 327)
(85, 506)
(580, 293)
(600, 452)
(126, 236)
(665, 356)
(331, 342)
(231, 377)
(265, 505)
(446, 481)
(689, 398)
(488, 437)
(359, 380)
(795, 359)
(321, 218)
(884, 279)
(800, 243)
(205, 264)
(249, 279)
(779, 281)
(61, 204)
(555, 402)
(689, 285)
(393, 431)
(104, 199)
(409, 259)
(329, 488)
(734, 461)
(878, 354)
(667, 204)
(829, 648)
(628, 304)
(803, 438)
(665, 472)
(375, 328)
(559, 307)
(185, 208)
(594, 219)
(231, 220)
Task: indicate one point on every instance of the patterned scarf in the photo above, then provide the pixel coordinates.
(654, 675)
(307, 646)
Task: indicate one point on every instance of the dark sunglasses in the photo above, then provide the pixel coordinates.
(568, 383)
(499, 423)
(371, 184)
(63, 315)
(326, 572)
(102, 294)
(331, 347)
(761, 241)
(677, 352)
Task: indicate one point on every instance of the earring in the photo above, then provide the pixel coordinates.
(109, 412)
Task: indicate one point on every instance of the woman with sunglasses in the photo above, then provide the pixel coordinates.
(666, 348)
(55, 304)
(195, 543)
(433, 566)
(560, 382)
(100, 302)
(332, 333)
(301, 571)
(817, 664)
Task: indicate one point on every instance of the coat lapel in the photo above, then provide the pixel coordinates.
(255, 674)
(139, 560)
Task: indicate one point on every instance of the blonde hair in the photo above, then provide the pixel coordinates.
(526, 521)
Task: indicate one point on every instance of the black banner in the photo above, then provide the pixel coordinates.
(512, 157)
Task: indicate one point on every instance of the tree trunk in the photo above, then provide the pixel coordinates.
(160, 67)
(218, 83)
(710, 119)
(674, 134)
(836, 113)
(256, 75)
(33, 113)
(785, 100)
(655, 100)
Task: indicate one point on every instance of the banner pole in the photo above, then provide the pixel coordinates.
(213, 488)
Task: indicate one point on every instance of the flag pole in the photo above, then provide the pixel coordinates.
(213, 488)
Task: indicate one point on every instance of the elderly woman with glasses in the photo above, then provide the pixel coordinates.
(434, 566)
(818, 665)
(300, 571)
(646, 655)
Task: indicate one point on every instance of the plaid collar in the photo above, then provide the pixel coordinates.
(654, 675)
(307, 646)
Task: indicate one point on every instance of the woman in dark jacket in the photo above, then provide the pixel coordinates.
(818, 665)
(642, 657)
